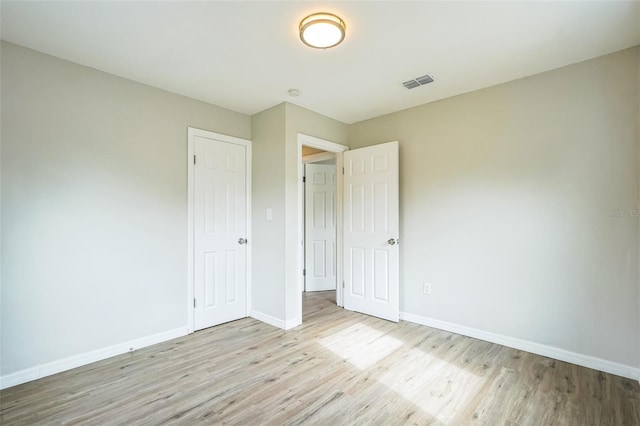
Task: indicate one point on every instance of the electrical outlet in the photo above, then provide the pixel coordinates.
(427, 288)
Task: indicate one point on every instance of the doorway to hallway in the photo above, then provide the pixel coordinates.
(320, 262)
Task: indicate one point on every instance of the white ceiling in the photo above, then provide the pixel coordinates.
(246, 55)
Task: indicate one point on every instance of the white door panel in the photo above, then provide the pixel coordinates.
(320, 227)
(371, 230)
(219, 222)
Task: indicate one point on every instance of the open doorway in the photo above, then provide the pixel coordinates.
(318, 151)
(368, 278)
(320, 231)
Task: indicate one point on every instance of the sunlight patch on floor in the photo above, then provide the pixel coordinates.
(436, 386)
(361, 345)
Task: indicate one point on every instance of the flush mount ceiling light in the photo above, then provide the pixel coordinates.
(322, 30)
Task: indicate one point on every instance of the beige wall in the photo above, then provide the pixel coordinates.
(505, 201)
(268, 286)
(94, 218)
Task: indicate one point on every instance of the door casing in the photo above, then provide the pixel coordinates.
(191, 134)
(337, 149)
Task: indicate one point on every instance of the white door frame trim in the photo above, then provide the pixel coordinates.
(337, 149)
(191, 133)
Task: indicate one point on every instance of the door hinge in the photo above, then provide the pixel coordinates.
(194, 302)
(304, 272)
(304, 179)
(194, 159)
(343, 170)
(342, 284)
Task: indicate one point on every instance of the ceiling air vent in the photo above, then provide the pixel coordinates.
(425, 79)
(418, 81)
(411, 84)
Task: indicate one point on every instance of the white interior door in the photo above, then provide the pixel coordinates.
(371, 231)
(320, 227)
(220, 231)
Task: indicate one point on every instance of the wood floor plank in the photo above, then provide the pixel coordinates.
(337, 368)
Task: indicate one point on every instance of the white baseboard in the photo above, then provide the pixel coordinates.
(536, 348)
(292, 323)
(261, 316)
(44, 370)
(276, 322)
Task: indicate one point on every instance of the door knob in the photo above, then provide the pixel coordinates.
(391, 241)
(242, 241)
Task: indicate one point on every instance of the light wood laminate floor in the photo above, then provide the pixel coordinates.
(338, 368)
